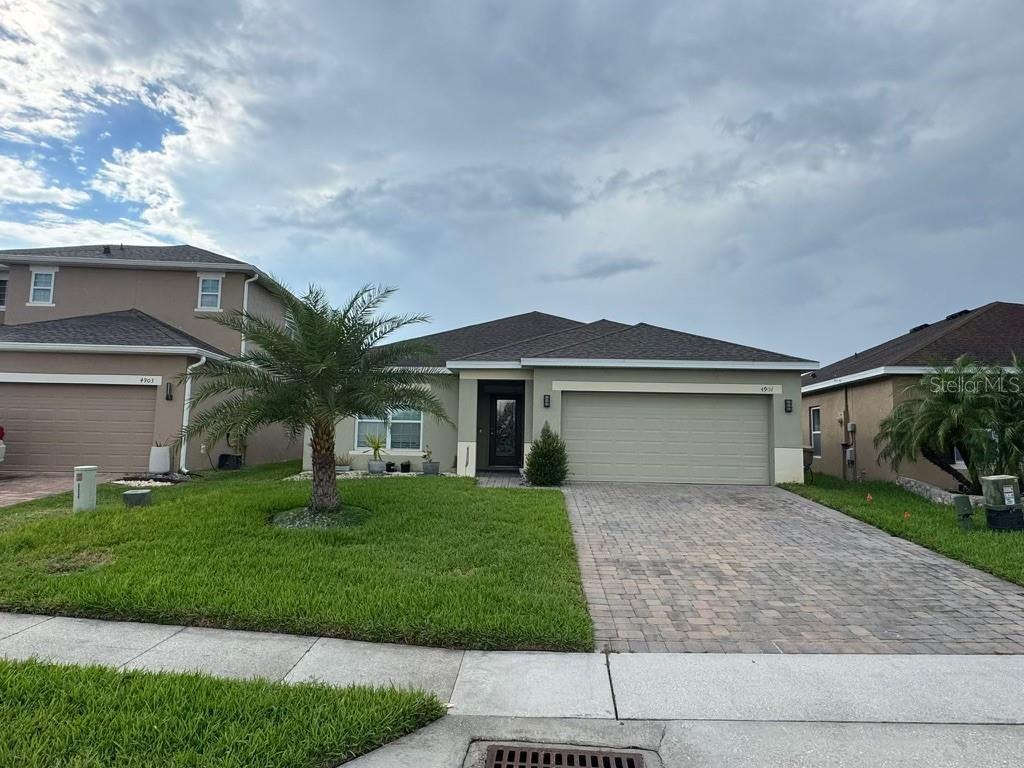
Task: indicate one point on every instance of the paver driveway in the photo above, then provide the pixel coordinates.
(760, 570)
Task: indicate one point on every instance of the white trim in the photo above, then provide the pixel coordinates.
(873, 373)
(200, 277)
(186, 412)
(811, 431)
(736, 365)
(355, 437)
(33, 271)
(245, 302)
(456, 365)
(667, 387)
(121, 379)
(80, 261)
(114, 349)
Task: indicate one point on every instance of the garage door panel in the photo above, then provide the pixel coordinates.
(656, 437)
(53, 427)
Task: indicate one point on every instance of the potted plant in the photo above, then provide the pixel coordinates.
(376, 443)
(342, 463)
(159, 458)
(430, 467)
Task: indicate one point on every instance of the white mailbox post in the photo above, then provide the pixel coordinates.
(85, 488)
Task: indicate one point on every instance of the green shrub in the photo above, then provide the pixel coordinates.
(547, 463)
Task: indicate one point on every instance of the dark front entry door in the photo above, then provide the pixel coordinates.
(505, 433)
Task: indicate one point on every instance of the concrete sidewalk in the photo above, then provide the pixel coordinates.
(980, 690)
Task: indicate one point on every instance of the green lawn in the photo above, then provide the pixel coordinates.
(89, 716)
(433, 561)
(931, 525)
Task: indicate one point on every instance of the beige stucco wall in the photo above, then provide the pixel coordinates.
(868, 404)
(168, 295)
(439, 435)
(267, 445)
(167, 418)
(786, 435)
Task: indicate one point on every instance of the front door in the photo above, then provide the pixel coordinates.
(505, 444)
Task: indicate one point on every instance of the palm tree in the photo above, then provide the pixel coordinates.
(948, 408)
(320, 366)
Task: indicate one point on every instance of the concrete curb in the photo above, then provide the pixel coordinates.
(640, 686)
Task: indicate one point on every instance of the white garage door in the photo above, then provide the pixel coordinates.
(668, 438)
(53, 427)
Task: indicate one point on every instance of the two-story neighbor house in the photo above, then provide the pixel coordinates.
(846, 401)
(95, 340)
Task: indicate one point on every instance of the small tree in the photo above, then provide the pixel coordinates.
(972, 407)
(320, 366)
(547, 463)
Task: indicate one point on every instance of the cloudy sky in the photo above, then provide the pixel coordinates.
(808, 177)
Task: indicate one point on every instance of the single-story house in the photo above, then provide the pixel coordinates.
(845, 402)
(633, 402)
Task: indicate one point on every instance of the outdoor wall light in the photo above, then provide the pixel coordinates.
(789, 406)
(547, 401)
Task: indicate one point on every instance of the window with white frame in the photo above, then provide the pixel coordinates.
(41, 287)
(209, 292)
(402, 432)
(815, 417)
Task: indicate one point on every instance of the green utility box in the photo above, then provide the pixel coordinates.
(1003, 507)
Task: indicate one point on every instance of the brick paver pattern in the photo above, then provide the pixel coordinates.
(715, 569)
(15, 488)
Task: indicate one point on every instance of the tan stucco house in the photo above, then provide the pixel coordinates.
(94, 341)
(633, 402)
(845, 402)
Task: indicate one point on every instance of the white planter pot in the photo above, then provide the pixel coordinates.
(376, 467)
(159, 459)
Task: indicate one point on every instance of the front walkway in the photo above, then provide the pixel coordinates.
(724, 687)
(760, 570)
(18, 487)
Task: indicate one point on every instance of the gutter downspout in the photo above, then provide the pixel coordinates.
(245, 301)
(186, 411)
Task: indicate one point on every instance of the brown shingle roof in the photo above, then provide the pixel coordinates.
(186, 254)
(537, 335)
(990, 334)
(460, 343)
(130, 327)
(650, 342)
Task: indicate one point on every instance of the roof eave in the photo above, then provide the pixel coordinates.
(110, 349)
(752, 365)
(233, 266)
(456, 365)
(868, 375)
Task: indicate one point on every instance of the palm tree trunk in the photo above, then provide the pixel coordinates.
(942, 463)
(325, 488)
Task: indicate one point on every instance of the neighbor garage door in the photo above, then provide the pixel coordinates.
(53, 427)
(671, 438)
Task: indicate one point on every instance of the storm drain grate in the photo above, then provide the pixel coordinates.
(510, 756)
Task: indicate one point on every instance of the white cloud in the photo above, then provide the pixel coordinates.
(779, 162)
(23, 181)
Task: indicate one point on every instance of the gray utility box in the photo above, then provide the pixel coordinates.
(1003, 508)
(141, 497)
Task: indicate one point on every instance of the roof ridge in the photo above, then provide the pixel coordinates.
(724, 341)
(956, 324)
(587, 341)
(542, 336)
(498, 320)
